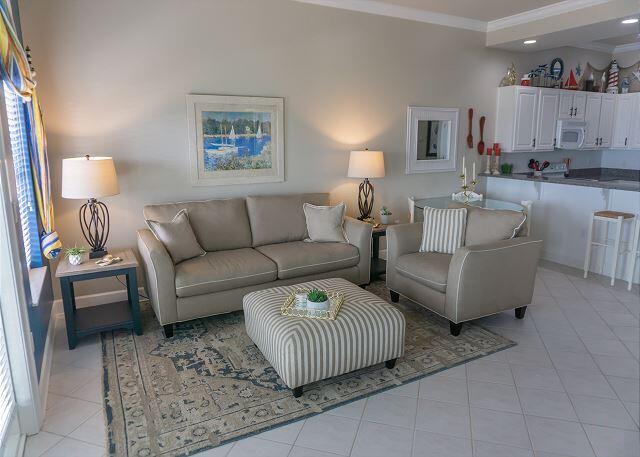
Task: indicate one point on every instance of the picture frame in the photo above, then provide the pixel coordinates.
(235, 139)
(431, 144)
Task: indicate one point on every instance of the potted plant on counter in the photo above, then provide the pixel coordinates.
(74, 254)
(385, 215)
(318, 300)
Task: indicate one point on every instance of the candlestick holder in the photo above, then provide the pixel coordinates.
(467, 192)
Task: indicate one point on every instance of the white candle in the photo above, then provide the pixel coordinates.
(464, 172)
(473, 172)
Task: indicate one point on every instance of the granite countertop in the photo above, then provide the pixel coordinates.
(604, 178)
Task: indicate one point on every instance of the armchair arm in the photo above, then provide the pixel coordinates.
(160, 277)
(488, 278)
(401, 239)
(359, 235)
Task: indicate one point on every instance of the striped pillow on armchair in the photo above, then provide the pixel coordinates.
(443, 230)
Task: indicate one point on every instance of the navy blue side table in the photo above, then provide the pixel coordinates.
(100, 318)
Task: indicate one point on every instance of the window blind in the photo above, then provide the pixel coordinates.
(7, 402)
(16, 112)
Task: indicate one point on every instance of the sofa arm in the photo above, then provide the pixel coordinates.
(160, 277)
(488, 278)
(359, 234)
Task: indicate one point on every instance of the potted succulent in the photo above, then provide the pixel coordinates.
(74, 254)
(385, 215)
(318, 300)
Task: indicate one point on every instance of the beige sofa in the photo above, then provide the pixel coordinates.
(251, 243)
(479, 279)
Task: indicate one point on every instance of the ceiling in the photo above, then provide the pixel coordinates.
(621, 40)
(482, 10)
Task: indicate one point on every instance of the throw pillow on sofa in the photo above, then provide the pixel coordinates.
(491, 225)
(178, 237)
(325, 223)
(443, 230)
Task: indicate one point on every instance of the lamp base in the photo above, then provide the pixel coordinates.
(98, 254)
(365, 205)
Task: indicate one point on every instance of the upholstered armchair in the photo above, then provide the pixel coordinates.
(481, 278)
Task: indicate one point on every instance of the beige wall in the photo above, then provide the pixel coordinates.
(113, 78)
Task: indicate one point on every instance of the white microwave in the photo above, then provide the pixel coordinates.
(570, 134)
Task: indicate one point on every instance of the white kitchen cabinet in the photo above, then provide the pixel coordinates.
(516, 118)
(624, 111)
(635, 123)
(605, 127)
(592, 119)
(572, 105)
(547, 112)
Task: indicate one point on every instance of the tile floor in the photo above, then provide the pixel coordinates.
(570, 388)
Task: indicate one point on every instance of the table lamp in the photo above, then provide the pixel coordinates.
(91, 178)
(366, 164)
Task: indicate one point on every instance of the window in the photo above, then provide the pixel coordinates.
(16, 118)
(7, 403)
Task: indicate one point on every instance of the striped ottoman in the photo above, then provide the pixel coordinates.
(367, 331)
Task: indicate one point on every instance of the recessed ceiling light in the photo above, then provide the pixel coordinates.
(529, 41)
(632, 20)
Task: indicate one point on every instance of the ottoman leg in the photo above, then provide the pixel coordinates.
(390, 363)
(297, 392)
(455, 328)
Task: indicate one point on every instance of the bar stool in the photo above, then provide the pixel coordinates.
(613, 217)
(633, 254)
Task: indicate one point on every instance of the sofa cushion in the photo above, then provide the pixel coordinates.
(218, 224)
(490, 225)
(280, 218)
(325, 223)
(223, 270)
(428, 268)
(177, 236)
(299, 258)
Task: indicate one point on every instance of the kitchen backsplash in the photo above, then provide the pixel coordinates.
(579, 159)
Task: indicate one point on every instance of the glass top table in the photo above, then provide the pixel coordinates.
(444, 202)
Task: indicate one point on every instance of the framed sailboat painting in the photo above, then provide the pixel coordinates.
(235, 140)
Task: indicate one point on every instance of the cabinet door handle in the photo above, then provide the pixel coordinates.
(570, 112)
(625, 141)
(534, 143)
(575, 111)
(554, 142)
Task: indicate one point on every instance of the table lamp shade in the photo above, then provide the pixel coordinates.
(366, 164)
(89, 177)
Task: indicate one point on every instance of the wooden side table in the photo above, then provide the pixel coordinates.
(378, 265)
(101, 318)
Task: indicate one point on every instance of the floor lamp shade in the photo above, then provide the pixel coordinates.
(90, 178)
(366, 164)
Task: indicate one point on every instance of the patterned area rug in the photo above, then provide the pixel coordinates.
(210, 384)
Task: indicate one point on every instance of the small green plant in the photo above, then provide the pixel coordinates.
(384, 211)
(75, 250)
(317, 296)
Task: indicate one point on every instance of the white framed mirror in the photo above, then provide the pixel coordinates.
(431, 139)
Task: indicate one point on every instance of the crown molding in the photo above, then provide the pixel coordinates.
(402, 12)
(566, 6)
(626, 48)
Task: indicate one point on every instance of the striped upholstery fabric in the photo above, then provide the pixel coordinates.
(367, 331)
(443, 230)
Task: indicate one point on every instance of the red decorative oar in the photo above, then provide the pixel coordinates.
(470, 135)
(481, 142)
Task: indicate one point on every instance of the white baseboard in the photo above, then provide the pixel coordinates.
(83, 301)
(47, 358)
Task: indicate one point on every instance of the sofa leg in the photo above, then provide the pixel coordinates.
(363, 286)
(390, 363)
(455, 328)
(520, 312)
(297, 392)
(395, 296)
(168, 330)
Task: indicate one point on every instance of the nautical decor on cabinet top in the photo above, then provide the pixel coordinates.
(235, 140)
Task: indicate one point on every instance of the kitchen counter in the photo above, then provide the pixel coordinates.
(604, 178)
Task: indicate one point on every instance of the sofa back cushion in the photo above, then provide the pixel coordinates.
(218, 224)
(490, 225)
(280, 218)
